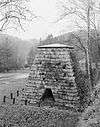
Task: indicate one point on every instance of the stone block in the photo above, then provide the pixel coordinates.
(52, 68)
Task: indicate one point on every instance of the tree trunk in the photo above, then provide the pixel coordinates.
(88, 48)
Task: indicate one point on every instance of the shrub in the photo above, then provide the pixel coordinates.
(81, 81)
(91, 115)
(29, 116)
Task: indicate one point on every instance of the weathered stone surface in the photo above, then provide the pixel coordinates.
(52, 69)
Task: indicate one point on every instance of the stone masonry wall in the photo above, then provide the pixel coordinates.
(52, 69)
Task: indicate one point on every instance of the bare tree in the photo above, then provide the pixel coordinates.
(31, 56)
(85, 11)
(13, 13)
(6, 54)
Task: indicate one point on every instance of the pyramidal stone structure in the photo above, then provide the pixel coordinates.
(51, 81)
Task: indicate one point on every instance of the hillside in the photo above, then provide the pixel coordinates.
(73, 39)
(22, 46)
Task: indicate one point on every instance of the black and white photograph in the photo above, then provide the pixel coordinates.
(49, 63)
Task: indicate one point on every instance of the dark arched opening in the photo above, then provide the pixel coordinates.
(47, 95)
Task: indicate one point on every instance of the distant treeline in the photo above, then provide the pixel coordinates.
(79, 41)
(76, 39)
(9, 59)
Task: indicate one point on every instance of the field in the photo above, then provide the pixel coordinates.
(11, 82)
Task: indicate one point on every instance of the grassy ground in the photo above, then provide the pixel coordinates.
(30, 116)
(11, 82)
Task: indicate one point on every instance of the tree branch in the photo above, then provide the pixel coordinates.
(14, 9)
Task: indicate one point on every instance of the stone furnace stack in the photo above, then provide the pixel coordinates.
(51, 80)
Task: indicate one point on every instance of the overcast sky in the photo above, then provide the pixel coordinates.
(49, 11)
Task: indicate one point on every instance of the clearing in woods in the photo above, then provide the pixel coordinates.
(11, 82)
